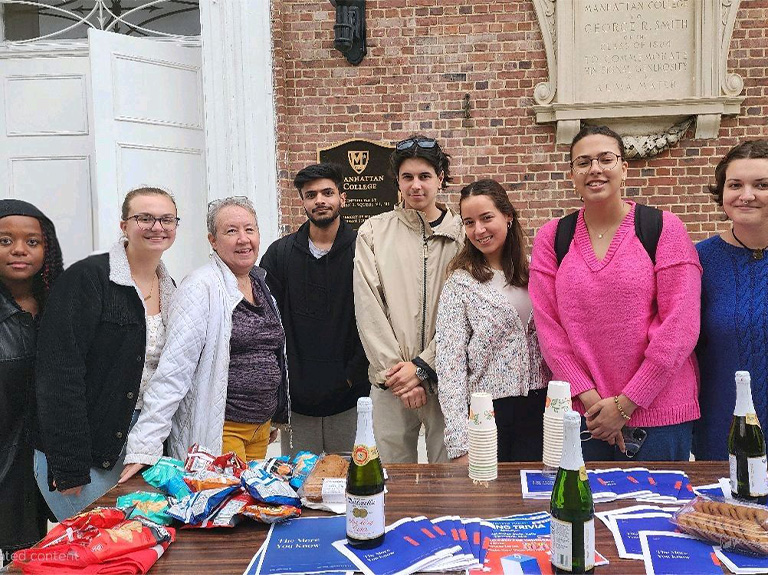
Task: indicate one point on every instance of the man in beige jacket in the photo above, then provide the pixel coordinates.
(400, 267)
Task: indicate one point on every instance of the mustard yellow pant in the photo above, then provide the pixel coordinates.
(248, 441)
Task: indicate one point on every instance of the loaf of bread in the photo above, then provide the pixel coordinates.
(737, 525)
(329, 466)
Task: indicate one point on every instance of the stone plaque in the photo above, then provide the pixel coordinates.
(646, 68)
(640, 50)
(365, 167)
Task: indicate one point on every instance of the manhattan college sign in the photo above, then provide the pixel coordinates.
(367, 183)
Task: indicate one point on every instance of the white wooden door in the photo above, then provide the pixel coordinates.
(46, 145)
(148, 130)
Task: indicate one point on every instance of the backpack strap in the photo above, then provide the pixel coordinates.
(648, 224)
(566, 228)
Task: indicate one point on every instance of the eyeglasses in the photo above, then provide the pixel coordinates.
(425, 143)
(147, 221)
(605, 160)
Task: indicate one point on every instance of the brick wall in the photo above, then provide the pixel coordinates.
(424, 56)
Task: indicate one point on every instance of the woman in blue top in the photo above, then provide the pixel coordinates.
(734, 309)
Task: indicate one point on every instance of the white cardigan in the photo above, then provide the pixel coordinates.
(187, 395)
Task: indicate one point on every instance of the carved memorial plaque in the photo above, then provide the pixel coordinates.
(635, 50)
(365, 168)
(646, 68)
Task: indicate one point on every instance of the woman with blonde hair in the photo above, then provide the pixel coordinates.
(100, 339)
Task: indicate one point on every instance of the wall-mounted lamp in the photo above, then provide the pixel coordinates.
(349, 30)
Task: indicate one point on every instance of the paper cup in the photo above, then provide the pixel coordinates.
(558, 398)
(481, 416)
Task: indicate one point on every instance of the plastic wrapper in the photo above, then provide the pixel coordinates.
(279, 466)
(734, 525)
(167, 475)
(95, 537)
(229, 513)
(229, 464)
(194, 508)
(303, 463)
(268, 488)
(148, 504)
(208, 480)
(198, 458)
(271, 514)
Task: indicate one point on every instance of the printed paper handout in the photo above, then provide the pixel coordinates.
(673, 553)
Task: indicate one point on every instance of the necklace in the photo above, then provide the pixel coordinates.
(757, 253)
(151, 289)
(599, 234)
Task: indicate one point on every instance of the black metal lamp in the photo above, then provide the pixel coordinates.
(349, 30)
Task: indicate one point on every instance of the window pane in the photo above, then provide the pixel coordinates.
(71, 19)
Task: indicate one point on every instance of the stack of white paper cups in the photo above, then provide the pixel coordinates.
(558, 403)
(483, 459)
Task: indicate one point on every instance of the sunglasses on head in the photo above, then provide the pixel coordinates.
(420, 142)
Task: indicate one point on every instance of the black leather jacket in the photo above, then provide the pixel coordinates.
(20, 508)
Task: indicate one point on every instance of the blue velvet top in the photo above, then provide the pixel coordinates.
(734, 336)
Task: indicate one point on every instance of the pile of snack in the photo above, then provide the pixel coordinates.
(209, 491)
(732, 524)
(102, 541)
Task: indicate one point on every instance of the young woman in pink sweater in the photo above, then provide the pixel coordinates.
(617, 325)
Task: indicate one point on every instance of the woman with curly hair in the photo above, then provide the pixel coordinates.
(30, 261)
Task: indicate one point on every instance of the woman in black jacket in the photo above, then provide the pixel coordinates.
(99, 343)
(30, 260)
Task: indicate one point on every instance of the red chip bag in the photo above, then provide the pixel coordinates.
(229, 464)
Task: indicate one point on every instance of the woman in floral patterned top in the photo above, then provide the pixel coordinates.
(486, 340)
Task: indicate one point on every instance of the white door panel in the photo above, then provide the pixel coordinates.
(46, 145)
(148, 130)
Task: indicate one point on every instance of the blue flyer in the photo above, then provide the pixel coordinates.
(400, 553)
(521, 527)
(451, 525)
(740, 563)
(626, 531)
(673, 553)
(303, 545)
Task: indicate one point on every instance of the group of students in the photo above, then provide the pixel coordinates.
(108, 365)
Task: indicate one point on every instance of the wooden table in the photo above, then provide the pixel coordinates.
(431, 490)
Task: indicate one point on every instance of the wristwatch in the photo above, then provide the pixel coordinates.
(422, 374)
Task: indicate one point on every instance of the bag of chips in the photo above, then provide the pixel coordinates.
(303, 463)
(194, 508)
(271, 514)
(167, 475)
(268, 488)
(148, 504)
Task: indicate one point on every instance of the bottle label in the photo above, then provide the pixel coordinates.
(734, 479)
(751, 418)
(365, 516)
(589, 544)
(362, 454)
(758, 476)
(562, 544)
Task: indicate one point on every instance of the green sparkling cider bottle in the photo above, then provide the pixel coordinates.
(365, 484)
(746, 447)
(573, 513)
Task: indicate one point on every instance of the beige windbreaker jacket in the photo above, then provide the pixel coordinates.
(400, 269)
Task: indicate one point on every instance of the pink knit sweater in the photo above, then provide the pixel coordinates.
(618, 324)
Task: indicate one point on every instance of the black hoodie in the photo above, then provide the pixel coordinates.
(317, 307)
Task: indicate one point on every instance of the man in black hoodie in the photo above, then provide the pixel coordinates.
(309, 273)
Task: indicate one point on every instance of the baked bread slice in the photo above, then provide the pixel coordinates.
(329, 466)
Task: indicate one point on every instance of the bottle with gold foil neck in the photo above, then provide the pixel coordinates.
(365, 484)
(572, 523)
(746, 447)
